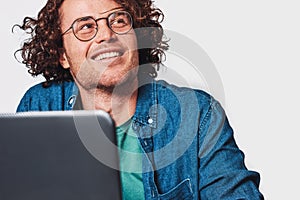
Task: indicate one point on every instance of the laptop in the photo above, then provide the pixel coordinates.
(58, 155)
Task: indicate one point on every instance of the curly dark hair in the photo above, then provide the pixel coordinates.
(41, 52)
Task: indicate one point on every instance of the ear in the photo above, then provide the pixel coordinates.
(63, 59)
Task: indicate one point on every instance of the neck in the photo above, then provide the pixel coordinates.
(119, 101)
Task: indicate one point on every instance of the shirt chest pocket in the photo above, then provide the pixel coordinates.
(182, 191)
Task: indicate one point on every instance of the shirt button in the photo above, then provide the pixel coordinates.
(152, 193)
(71, 100)
(134, 126)
(150, 121)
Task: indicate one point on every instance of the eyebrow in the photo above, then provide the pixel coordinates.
(83, 18)
(110, 10)
(87, 17)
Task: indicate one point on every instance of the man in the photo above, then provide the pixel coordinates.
(101, 54)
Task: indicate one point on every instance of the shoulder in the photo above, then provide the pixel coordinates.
(184, 95)
(39, 97)
(55, 88)
(188, 102)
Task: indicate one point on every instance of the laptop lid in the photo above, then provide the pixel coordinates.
(58, 155)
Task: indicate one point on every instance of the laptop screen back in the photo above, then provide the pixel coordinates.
(58, 155)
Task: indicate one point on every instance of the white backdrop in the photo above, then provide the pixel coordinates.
(255, 47)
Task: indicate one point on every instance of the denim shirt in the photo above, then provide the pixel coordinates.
(188, 144)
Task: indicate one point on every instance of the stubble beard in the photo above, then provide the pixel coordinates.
(120, 84)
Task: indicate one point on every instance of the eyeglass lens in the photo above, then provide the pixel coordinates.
(86, 28)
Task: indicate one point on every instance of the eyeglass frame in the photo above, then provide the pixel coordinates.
(96, 21)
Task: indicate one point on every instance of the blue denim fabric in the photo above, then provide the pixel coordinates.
(188, 144)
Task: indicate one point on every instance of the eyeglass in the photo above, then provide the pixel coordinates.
(86, 28)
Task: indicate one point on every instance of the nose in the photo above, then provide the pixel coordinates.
(104, 32)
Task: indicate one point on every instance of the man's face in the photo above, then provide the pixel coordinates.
(106, 60)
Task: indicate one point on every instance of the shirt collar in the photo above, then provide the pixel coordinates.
(146, 108)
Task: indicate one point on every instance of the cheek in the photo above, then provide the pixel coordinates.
(76, 54)
(134, 59)
(133, 44)
(130, 42)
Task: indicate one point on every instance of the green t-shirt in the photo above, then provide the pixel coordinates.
(131, 166)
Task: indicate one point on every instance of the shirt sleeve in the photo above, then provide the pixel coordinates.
(223, 174)
(24, 104)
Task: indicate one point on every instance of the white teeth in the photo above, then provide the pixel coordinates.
(107, 55)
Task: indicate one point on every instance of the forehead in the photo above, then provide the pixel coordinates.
(73, 9)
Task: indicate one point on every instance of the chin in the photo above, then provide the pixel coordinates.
(115, 78)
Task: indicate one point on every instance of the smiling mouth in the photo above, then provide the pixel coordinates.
(107, 55)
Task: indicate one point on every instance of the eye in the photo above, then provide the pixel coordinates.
(119, 20)
(85, 25)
